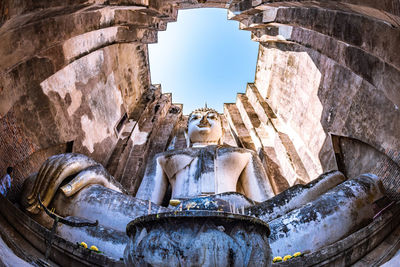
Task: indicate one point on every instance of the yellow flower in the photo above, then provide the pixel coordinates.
(297, 254)
(83, 244)
(174, 202)
(277, 259)
(287, 257)
(94, 248)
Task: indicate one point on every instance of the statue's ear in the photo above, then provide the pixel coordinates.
(221, 140)
(187, 138)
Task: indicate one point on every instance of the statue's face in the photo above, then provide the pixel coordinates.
(204, 127)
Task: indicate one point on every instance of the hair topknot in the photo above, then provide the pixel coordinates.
(203, 110)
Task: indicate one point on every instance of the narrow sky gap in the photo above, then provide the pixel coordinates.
(203, 57)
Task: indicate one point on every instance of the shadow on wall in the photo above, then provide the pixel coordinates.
(289, 80)
(316, 96)
(355, 157)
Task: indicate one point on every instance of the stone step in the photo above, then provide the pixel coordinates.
(16, 249)
(257, 129)
(159, 138)
(238, 127)
(119, 148)
(178, 140)
(274, 158)
(283, 142)
(229, 137)
(141, 136)
(117, 160)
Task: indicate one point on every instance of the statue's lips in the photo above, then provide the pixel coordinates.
(203, 126)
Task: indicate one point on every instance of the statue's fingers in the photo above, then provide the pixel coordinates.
(44, 169)
(92, 175)
(54, 172)
(38, 178)
(73, 166)
(50, 167)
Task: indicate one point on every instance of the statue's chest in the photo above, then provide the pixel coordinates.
(204, 162)
(205, 171)
(195, 174)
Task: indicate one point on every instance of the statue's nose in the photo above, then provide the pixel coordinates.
(203, 120)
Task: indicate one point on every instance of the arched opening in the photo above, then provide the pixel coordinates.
(203, 58)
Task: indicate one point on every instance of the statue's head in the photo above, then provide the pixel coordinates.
(205, 126)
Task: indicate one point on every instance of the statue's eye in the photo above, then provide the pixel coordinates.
(211, 116)
(195, 117)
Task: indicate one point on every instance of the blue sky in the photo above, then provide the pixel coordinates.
(203, 57)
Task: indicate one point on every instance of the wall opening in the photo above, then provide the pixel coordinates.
(203, 57)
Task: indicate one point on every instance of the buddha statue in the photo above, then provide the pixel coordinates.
(79, 188)
(206, 167)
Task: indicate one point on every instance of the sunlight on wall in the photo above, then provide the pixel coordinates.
(203, 57)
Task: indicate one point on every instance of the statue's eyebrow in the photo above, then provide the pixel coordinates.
(194, 114)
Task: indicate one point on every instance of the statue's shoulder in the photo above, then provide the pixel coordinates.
(228, 148)
(171, 153)
(194, 152)
(175, 160)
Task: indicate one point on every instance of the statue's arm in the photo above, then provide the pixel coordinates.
(154, 183)
(254, 180)
(296, 196)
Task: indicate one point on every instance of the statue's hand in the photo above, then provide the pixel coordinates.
(58, 168)
(92, 175)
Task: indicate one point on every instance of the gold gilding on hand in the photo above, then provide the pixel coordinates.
(44, 170)
(52, 174)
